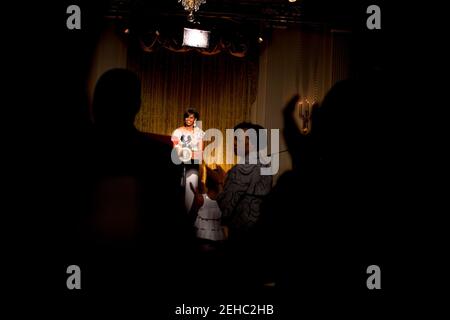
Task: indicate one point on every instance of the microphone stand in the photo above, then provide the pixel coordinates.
(183, 181)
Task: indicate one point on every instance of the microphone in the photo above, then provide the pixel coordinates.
(285, 150)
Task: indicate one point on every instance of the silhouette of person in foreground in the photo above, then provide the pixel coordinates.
(324, 218)
(137, 230)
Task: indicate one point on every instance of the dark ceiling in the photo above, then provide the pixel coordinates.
(342, 14)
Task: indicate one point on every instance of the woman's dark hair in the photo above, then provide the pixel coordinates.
(261, 143)
(211, 183)
(191, 111)
(248, 125)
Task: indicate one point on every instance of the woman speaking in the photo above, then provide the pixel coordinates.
(188, 143)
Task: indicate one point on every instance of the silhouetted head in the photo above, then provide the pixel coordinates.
(344, 127)
(117, 99)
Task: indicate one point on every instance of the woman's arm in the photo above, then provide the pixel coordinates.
(197, 202)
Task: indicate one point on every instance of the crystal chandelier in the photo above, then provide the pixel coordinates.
(191, 6)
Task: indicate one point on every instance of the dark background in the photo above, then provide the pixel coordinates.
(45, 160)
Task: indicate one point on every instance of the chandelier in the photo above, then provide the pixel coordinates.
(191, 6)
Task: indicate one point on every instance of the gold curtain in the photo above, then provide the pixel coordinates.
(314, 65)
(221, 87)
(153, 42)
(305, 60)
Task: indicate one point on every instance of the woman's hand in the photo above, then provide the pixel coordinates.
(198, 197)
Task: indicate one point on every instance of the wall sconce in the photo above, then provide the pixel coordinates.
(304, 112)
